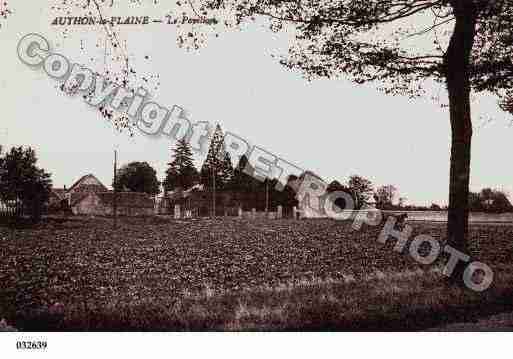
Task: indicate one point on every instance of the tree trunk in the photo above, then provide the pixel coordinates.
(457, 60)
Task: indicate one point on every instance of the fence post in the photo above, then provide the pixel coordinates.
(157, 205)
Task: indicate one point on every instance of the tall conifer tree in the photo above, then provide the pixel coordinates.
(218, 163)
(181, 174)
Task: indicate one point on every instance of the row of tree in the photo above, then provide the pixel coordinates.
(489, 200)
(219, 174)
(181, 173)
(217, 168)
(218, 171)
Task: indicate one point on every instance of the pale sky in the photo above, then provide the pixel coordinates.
(333, 127)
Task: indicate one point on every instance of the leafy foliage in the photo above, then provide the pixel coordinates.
(4, 11)
(23, 182)
(385, 196)
(362, 189)
(489, 200)
(137, 177)
(372, 40)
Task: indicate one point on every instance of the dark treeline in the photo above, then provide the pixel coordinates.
(234, 185)
(239, 185)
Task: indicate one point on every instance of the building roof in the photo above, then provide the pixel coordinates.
(88, 183)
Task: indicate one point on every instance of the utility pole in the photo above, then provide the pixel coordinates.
(115, 199)
(266, 195)
(214, 192)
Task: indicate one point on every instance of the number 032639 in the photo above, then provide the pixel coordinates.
(31, 345)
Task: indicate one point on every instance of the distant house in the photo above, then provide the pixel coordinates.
(308, 207)
(88, 196)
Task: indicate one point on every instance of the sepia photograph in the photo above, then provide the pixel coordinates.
(256, 177)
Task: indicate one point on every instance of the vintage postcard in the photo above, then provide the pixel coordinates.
(255, 166)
